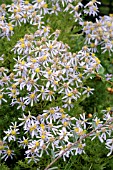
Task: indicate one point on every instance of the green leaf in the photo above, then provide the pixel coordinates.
(92, 75)
(111, 79)
(53, 154)
(101, 70)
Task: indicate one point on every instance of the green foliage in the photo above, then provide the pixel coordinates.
(4, 167)
(70, 32)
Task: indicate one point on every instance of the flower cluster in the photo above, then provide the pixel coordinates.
(91, 7)
(99, 33)
(55, 130)
(45, 67)
(21, 11)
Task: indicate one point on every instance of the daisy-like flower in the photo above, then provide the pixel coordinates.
(32, 157)
(88, 91)
(32, 127)
(98, 135)
(50, 95)
(7, 153)
(55, 8)
(52, 114)
(80, 148)
(65, 88)
(78, 131)
(64, 135)
(20, 102)
(97, 122)
(26, 120)
(11, 134)
(13, 92)
(31, 98)
(105, 132)
(91, 7)
(23, 142)
(69, 97)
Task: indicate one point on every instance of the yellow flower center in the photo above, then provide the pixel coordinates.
(56, 82)
(33, 60)
(54, 7)
(13, 91)
(2, 18)
(33, 128)
(69, 94)
(50, 46)
(62, 110)
(42, 126)
(63, 116)
(23, 62)
(43, 136)
(1, 147)
(97, 122)
(97, 61)
(92, 45)
(25, 141)
(37, 144)
(22, 45)
(88, 89)
(26, 2)
(52, 111)
(24, 16)
(45, 5)
(37, 70)
(50, 93)
(49, 72)
(44, 58)
(32, 96)
(11, 28)
(39, 1)
(93, 55)
(80, 146)
(65, 124)
(76, 129)
(1, 96)
(14, 86)
(45, 29)
(13, 132)
(80, 75)
(21, 40)
(9, 152)
(67, 67)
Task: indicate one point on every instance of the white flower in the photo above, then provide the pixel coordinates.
(7, 153)
(88, 91)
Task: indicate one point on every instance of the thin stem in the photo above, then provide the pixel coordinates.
(106, 80)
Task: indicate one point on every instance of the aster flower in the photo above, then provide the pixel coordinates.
(88, 91)
(7, 153)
